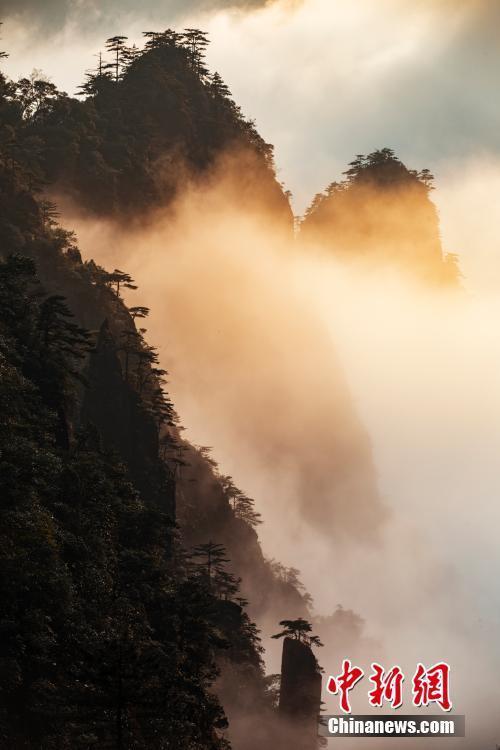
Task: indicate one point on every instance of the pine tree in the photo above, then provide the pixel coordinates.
(212, 558)
(118, 279)
(138, 312)
(242, 505)
(96, 79)
(117, 47)
(299, 630)
(196, 43)
(218, 88)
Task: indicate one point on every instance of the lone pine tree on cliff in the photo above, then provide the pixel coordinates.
(299, 630)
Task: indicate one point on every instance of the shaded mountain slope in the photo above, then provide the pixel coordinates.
(96, 609)
(119, 632)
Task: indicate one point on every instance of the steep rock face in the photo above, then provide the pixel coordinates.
(115, 409)
(381, 215)
(300, 693)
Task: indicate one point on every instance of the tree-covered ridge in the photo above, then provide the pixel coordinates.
(150, 119)
(96, 609)
(382, 213)
(113, 634)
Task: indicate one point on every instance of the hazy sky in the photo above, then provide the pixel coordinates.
(324, 79)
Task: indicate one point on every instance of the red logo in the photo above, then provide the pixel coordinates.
(428, 685)
(432, 686)
(345, 682)
(388, 686)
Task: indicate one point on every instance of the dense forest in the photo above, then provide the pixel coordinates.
(132, 573)
(120, 627)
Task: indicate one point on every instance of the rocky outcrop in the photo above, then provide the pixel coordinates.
(380, 216)
(300, 693)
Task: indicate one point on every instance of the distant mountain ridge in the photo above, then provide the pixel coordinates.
(380, 216)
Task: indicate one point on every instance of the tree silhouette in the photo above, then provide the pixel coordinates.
(130, 55)
(224, 584)
(167, 38)
(162, 409)
(291, 577)
(139, 312)
(35, 95)
(205, 451)
(152, 39)
(145, 372)
(172, 453)
(117, 47)
(196, 42)
(96, 79)
(299, 630)
(118, 279)
(218, 88)
(242, 505)
(60, 336)
(212, 559)
(49, 213)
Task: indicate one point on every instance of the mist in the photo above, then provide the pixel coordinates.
(282, 360)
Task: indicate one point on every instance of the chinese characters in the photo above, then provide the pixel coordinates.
(429, 686)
